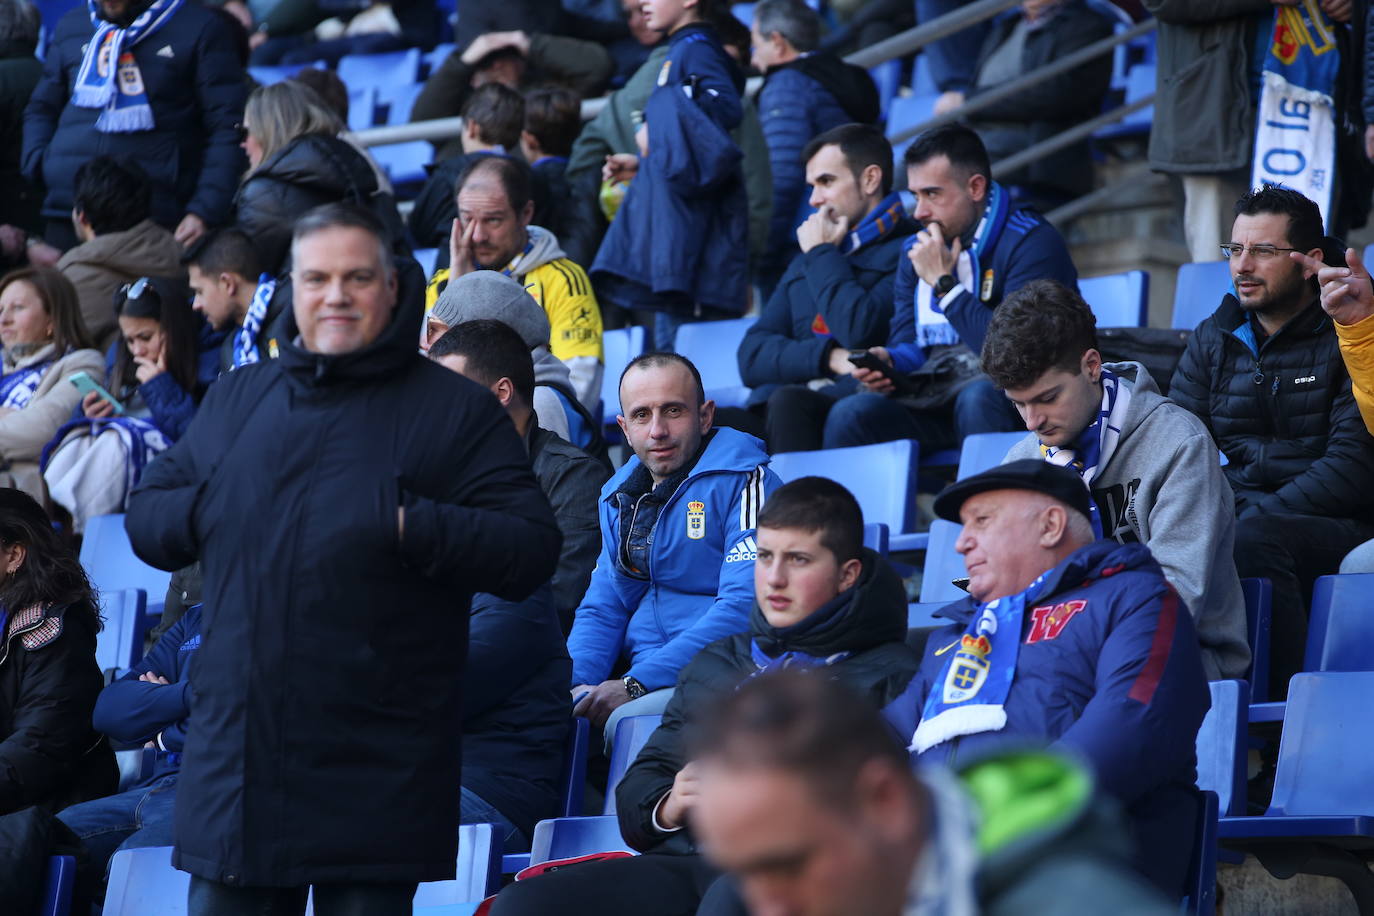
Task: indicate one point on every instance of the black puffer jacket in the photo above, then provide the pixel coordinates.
(1282, 412)
(309, 171)
(868, 621)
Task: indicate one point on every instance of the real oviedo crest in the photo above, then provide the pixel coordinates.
(696, 520)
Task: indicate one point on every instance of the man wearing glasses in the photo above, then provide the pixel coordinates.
(1264, 374)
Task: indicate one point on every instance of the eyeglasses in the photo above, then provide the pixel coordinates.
(1258, 252)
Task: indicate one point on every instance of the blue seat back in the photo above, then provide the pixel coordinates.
(479, 870)
(876, 537)
(906, 111)
(144, 883)
(362, 107)
(399, 100)
(435, 59)
(1198, 292)
(618, 348)
(389, 69)
(1340, 629)
(1140, 83)
(266, 76)
(135, 766)
(1221, 746)
(1326, 737)
(942, 564)
(887, 76)
(1259, 599)
(630, 735)
(57, 886)
(404, 163)
(922, 614)
(713, 347)
(427, 258)
(882, 477)
(573, 777)
(569, 837)
(120, 643)
(1200, 884)
(982, 451)
(1118, 300)
(109, 560)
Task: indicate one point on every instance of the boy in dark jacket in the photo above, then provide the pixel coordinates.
(1264, 374)
(823, 602)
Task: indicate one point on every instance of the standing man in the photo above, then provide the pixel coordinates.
(157, 82)
(342, 533)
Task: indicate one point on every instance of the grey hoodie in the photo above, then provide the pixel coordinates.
(548, 409)
(585, 371)
(1163, 486)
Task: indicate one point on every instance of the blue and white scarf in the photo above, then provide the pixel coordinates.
(877, 225)
(932, 326)
(1295, 137)
(1095, 445)
(970, 694)
(763, 662)
(142, 440)
(246, 342)
(18, 387)
(109, 77)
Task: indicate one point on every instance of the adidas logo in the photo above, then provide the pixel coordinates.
(743, 552)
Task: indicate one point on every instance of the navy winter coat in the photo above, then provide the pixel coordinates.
(327, 693)
(825, 298)
(196, 88)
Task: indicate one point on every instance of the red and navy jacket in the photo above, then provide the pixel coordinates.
(1109, 669)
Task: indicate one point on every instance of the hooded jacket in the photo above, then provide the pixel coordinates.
(868, 621)
(698, 584)
(1119, 682)
(288, 487)
(98, 268)
(1281, 411)
(1163, 487)
(23, 433)
(572, 480)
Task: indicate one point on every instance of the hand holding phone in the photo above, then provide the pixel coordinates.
(879, 371)
(87, 385)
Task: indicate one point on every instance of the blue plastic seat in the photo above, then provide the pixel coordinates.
(1200, 884)
(573, 776)
(922, 614)
(266, 76)
(906, 111)
(887, 76)
(144, 883)
(1118, 300)
(982, 451)
(1221, 746)
(479, 871)
(569, 837)
(876, 538)
(398, 101)
(389, 69)
(435, 59)
(943, 564)
(1259, 599)
(712, 346)
(1198, 292)
(135, 766)
(427, 258)
(630, 735)
(404, 163)
(618, 348)
(882, 478)
(1140, 82)
(57, 886)
(362, 107)
(110, 562)
(120, 643)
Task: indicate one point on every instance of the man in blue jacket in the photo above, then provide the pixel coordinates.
(677, 544)
(974, 249)
(171, 100)
(836, 295)
(1072, 641)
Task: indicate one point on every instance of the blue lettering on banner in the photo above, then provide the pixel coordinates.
(1272, 155)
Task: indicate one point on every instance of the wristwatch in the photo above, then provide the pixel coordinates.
(634, 688)
(944, 285)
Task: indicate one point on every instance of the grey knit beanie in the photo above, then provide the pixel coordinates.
(488, 294)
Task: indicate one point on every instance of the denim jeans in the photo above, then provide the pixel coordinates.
(211, 898)
(476, 810)
(865, 418)
(130, 820)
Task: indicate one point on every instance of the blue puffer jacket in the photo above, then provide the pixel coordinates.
(1117, 680)
(681, 236)
(700, 582)
(196, 88)
(1028, 249)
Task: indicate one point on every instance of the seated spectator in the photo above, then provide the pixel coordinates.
(235, 297)
(297, 162)
(677, 544)
(1150, 465)
(159, 374)
(303, 31)
(678, 248)
(150, 704)
(975, 249)
(808, 802)
(45, 344)
(806, 92)
(836, 296)
(50, 756)
(488, 294)
(20, 71)
(1069, 640)
(119, 242)
(553, 118)
(1023, 41)
(513, 59)
(492, 355)
(334, 93)
(821, 600)
(1264, 374)
(493, 231)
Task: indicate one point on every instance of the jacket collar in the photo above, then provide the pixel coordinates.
(385, 357)
(726, 450)
(42, 354)
(1233, 319)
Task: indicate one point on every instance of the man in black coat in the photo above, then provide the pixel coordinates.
(345, 500)
(822, 601)
(1264, 373)
(193, 81)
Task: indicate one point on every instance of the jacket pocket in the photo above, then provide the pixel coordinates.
(1209, 100)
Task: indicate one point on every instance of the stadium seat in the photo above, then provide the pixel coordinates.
(1322, 808)
(427, 258)
(887, 76)
(922, 80)
(398, 101)
(875, 538)
(119, 644)
(135, 766)
(362, 107)
(435, 59)
(942, 565)
(1140, 82)
(982, 451)
(479, 873)
(882, 478)
(1198, 292)
(57, 886)
(618, 348)
(1221, 743)
(569, 837)
(712, 346)
(110, 562)
(144, 883)
(1259, 597)
(922, 614)
(574, 773)
(266, 76)
(1200, 884)
(390, 69)
(1118, 300)
(905, 112)
(404, 163)
(630, 735)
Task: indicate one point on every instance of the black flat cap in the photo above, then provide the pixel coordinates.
(1034, 474)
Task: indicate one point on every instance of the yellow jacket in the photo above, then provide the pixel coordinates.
(1357, 348)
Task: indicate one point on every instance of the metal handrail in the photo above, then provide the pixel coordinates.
(1069, 137)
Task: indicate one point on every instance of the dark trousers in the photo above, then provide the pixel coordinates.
(658, 883)
(211, 898)
(1292, 551)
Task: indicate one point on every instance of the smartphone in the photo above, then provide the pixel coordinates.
(866, 360)
(85, 384)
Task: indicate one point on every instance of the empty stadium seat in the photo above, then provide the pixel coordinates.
(982, 451)
(922, 614)
(119, 644)
(1140, 82)
(943, 564)
(887, 76)
(905, 112)
(398, 101)
(569, 837)
(389, 69)
(362, 107)
(427, 258)
(882, 478)
(109, 560)
(630, 735)
(618, 348)
(1118, 300)
(57, 886)
(435, 59)
(404, 163)
(135, 766)
(875, 538)
(1198, 292)
(266, 76)
(479, 872)
(144, 883)
(1259, 598)
(712, 347)
(1221, 746)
